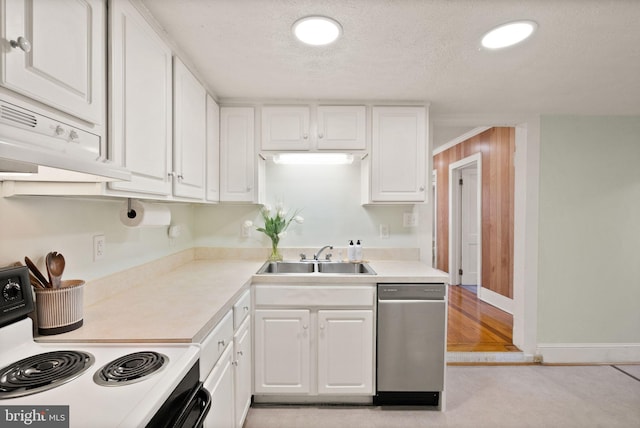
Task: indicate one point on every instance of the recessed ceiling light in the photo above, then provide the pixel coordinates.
(317, 30)
(508, 34)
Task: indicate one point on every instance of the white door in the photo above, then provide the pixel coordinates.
(237, 155)
(220, 385)
(59, 54)
(342, 128)
(213, 150)
(242, 371)
(190, 133)
(141, 108)
(282, 342)
(285, 128)
(398, 154)
(345, 352)
(469, 226)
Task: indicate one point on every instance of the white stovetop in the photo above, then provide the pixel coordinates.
(92, 405)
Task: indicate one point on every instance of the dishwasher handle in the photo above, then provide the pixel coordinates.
(412, 292)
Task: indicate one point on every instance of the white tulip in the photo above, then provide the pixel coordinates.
(247, 224)
(298, 219)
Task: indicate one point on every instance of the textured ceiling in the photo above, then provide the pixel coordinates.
(584, 58)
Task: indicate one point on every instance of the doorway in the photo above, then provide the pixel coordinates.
(465, 221)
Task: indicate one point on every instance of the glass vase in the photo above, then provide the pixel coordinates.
(275, 255)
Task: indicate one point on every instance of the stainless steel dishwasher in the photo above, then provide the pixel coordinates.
(411, 344)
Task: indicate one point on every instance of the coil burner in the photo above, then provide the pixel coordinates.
(130, 368)
(42, 372)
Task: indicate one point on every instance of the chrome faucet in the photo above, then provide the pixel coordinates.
(316, 255)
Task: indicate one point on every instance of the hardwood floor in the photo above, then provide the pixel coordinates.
(476, 326)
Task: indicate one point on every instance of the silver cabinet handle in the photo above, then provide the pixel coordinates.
(246, 308)
(321, 136)
(21, 43)
(422, 188)
(221, 342)
(180, 177)
(321, 326)
(59, 130)
(304, 326)
(305, 136)
(240, 353)
(171, 174)
(73, 135)
(234, 363)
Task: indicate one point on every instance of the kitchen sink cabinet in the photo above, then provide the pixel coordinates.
(313, 341)
(282, 354)
(396, 170)
(303, 128)
(189, 133)
(141, 102)
(240, 169)
(55, 53)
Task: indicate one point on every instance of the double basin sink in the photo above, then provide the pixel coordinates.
(308, 267)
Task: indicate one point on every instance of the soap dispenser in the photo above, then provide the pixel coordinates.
(351, 251)
(358, 251)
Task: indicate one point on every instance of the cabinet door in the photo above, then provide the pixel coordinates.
(141, 102)
(342, 127)
(189, 133)
(64, 66)
(282, 351)
(237, 155)
(285, 128)
(220, 386)
(213, 150)
(398, 154)
(242, 371)
(345, 352)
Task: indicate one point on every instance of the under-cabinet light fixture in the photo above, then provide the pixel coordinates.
(508, 34)
(313, 158)
(317, 30)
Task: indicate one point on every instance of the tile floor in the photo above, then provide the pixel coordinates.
(493, 397)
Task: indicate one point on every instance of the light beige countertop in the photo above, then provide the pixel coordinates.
(185, 303)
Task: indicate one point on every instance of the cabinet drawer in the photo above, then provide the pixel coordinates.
(241, 309)
(310, 295)
(215, 343)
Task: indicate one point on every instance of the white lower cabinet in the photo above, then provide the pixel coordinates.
(345, 359)
(225, 366)
(314, 352)
(220, 385)
(282, 351)
(242, 371)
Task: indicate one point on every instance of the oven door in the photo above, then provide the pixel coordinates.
(187, 406)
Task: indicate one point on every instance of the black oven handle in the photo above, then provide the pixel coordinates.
(201, 398)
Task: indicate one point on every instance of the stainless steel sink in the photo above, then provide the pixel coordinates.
(307, 267)
(287, 267)
(346, 268)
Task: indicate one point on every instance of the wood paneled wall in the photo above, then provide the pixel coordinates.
(497, 146)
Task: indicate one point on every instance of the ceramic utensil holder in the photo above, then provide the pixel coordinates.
(59, 310)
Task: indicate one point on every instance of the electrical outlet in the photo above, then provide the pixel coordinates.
(410, 220)
(384, 231)
(99, 247)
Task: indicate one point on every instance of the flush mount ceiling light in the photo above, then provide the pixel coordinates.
(317, 30)
(508, 34)
(313, 158)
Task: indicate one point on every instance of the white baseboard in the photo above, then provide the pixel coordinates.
(589, 353)
(497, 300)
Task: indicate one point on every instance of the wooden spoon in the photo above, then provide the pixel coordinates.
(55, 267)
(36, 272)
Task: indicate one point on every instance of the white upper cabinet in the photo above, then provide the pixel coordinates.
(238, 164)
(213, 150)
(189, 133)
(285, 128)
(55, 53)
(302, 128)
(140, 102)
(396, 172)
(342, 128)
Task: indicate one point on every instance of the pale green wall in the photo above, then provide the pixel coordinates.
(33, 226)
(589, 234)
(329, 197)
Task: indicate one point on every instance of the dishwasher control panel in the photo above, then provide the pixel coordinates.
(412, 291)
